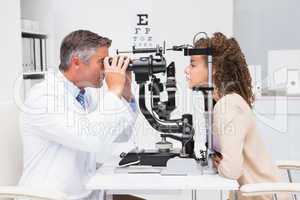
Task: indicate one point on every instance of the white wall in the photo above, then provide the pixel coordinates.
(10, 56)
(261, 29)
(10, 49)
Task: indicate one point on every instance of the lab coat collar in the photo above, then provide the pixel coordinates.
(69, 86)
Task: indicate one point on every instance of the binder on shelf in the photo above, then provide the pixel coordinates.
(27, 54)
(31, 54)
(38, 58)
(24, 54)
(44, 55)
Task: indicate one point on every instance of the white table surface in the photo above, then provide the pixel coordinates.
(107, 179)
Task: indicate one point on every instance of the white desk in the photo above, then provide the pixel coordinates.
(115, 183)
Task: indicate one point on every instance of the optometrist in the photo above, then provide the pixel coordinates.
(64, 124)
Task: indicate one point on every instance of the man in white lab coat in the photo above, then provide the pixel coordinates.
(64, 127)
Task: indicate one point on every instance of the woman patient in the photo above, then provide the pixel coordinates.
(243, 155)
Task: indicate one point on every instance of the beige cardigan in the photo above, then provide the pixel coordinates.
(245, 157)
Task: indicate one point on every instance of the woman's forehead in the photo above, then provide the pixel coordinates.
(197, 58)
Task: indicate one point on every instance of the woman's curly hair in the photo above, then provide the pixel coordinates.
(231, 74)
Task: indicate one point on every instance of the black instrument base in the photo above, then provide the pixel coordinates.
(155, 159)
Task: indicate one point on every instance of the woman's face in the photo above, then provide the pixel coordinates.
(196, 72)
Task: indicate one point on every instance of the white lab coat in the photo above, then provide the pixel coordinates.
(61, 139)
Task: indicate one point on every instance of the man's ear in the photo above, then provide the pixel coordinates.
(75, 61)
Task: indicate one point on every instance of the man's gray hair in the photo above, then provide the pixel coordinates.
(82, 43)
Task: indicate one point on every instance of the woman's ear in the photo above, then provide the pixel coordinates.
(213, 70)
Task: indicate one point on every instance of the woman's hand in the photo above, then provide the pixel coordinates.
(217, 157)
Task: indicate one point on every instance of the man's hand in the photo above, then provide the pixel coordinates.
(115, 74)
(127, 94)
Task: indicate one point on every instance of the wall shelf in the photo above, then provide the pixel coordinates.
(29, 34)
(34, 75)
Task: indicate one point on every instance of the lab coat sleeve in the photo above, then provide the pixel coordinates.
(230, 127)
(90, 132)
(127, 133)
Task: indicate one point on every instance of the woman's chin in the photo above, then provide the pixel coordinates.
(190, 85)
